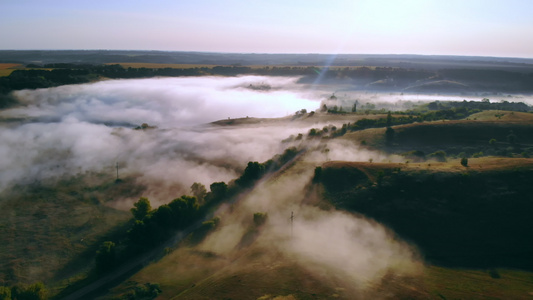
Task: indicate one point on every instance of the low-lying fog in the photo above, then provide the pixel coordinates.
(78, 128)
(75, 129)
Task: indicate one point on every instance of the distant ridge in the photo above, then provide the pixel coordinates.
(430, 62)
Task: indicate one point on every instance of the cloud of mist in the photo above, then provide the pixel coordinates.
(350, 249)
(75, 129)
(165, 102)
(82, 129)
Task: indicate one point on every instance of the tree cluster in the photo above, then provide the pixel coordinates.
(151, 227)
(36, 291)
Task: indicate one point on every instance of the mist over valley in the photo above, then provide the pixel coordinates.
(201, 187)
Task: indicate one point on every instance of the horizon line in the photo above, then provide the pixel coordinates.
(277, 53)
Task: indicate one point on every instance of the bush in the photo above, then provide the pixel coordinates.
(464, 162)
(5, 293)
(146, 291)
(260, 219)
(105, 257)
(415, 155)
(479, 154)
(36, 291)
(438, 156)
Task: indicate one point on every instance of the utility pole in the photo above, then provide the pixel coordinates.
(292, 221)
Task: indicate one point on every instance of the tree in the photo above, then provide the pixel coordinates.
(260, 218)
(389, 136)
(218, 190)
(354, 107)
(199, 191)
(138, 233)
(105, 256)
(492, 142)
(389, 133)
(318, 173)
(184, 210)
(36, 291)
(312, 132)
(438, 156)
(511, 138)
(163, 216)
(389, 119)
(5, 293)
(464, 162)
(141, 208)
(252, 173)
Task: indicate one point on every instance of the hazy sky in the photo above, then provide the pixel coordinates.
(456, 27)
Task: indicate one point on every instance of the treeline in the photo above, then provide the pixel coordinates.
(484, 104)
(401, 118)
(36, 291)
(378, 78)
(151, 227)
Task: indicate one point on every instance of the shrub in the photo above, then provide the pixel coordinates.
(260, 219)
(5, 293)
(478, 154)
(105, 257)
(464, 162)
(438, 156)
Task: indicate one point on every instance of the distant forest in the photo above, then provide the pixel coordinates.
(392, 73)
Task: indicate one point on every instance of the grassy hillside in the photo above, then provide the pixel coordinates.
(466, 241)
(470, 224)
(51, 233)
(476, 216)
(512, 133)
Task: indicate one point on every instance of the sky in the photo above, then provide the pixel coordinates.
(431, 27)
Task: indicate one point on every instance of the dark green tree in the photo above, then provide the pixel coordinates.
(464, 162)
(36, 291)
(105, 257)
(260, 218)
(252, 173)
(389, 119)
(389, 136)
(184, 210)
(438, 156)
(141, 208)
(163, 216)
(5, 293)
(389, 132)
(199, 191)
(218, 192)
(511, 138)
(492, 142)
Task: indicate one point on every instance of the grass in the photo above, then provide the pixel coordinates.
(250, 274)
(189, 274)
(454, 137)
(447, 283)
(7, 68)
(51, 233)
